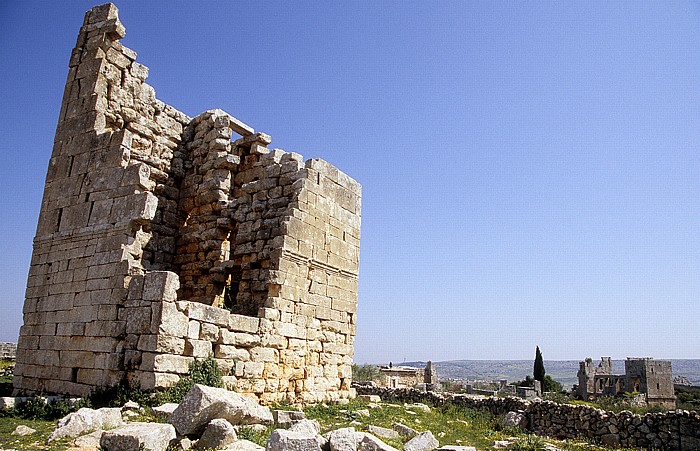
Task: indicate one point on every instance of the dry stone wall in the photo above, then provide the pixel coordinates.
(164, 238)
(679, 429)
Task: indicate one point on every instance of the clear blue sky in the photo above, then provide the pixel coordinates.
(530, 170)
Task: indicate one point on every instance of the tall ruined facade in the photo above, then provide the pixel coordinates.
(163, 239)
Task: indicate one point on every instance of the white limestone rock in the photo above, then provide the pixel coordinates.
(345, 439)
(368, 442)
(382, 432)
(203, 404)
(425, 441)
(165, 409)
(23, 430)
(218, 434)
(404, 430)
(138, 436)
(244, 445)
(86, 420)
(284, 418)
(91, 440)
(284, 440)
(514, 419)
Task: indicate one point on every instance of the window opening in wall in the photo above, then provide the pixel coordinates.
(230, 294)
(74, 375)
(58, 220)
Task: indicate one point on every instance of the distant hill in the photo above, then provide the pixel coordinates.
(563, 371)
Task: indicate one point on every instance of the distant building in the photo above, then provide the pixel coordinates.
(408, 376)
(649, 377)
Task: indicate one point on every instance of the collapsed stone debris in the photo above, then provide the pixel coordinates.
(163, 239)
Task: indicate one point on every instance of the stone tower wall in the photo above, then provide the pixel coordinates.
(153, 222)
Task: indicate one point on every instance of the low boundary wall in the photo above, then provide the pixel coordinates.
(679, 429)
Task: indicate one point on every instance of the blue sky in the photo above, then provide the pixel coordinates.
(530, 170)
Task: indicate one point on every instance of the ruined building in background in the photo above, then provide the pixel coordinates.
(651, 378)
(408, 376)
(163, 239)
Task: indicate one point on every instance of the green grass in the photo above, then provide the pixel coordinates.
(451, 425)
(35, 441)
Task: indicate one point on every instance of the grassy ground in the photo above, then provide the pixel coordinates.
(451, 426)
(36, 440)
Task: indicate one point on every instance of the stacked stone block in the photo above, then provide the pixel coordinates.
(153, 222)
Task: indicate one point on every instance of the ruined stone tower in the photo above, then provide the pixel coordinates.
(162, 240)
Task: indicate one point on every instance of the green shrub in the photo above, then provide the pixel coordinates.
(365, 373)
(205, 372)
(529, 443)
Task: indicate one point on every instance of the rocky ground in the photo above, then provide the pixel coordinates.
(216, 419)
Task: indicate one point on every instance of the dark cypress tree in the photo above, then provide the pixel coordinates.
(538, 372)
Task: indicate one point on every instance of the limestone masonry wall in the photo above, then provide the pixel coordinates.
(164, 238)
(677, 429)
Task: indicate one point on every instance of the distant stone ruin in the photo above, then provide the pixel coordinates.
(163, 239)
(408, 376)
(646, 376)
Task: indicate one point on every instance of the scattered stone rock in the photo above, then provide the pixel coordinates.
(86, 420)
(165, 409)
(131, 405)
(404, 430)
(284, 418)
(368, 442)
(382, 432)
(515, 419)
(456, 448)
(310, 427)
(425, 441)
(23, 430)
(345, 439)
(137, 436)
(91, 440)
(218, 434)
(363, 412)
(7, 402)
(284, 440)
(244, 445)
(202, 404)
(370, 398)
(499, 444)
(418, 406)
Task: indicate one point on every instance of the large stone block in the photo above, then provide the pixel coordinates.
(160, 286)
(203, 404)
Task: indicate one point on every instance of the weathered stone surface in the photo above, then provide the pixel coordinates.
(7, 402)
(244, 445)
(138, 436)
(86, 420)
(23, 430)
(284, 418)
(345, 439)
(514, 419)
(404, 430)
(120, 287)
(218, 435)
(164, 409)
(284, 440)
(89, 441)
(203, 404)
(425, 441)
(368, 442)
(370, 398)
(382, 432)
